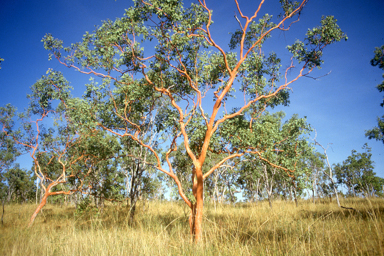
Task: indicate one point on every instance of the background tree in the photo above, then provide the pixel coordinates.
(8, 151)
(378, 131)
(53, 152)
(20, 185)
(190, 72)
(316, 165)
(328, 171)
(99, 151)
(289, 138)
(357, 174)
(138, 171)
(250, 179)
(325, 187)
(298, 183)
(225, 182)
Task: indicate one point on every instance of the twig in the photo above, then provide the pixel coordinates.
(317, 78)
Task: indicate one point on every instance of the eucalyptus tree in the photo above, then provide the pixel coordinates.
(224, 182)
(102, 178)
(299, 183)
(48, 148)
(316, 165)
(250, 178)
(284, 148)
(325, 188)
(188, 69)
(8, 152)
(345, 177)
(140, 179)
(19, 184)
(329, 172)
(94, 171)
(356, 172)
(378, 131)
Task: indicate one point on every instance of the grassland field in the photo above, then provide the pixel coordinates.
(161, 228)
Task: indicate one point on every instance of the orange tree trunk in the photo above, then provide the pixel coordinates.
(44, 201)
(196, 220)
(38, 209)
(196, 217)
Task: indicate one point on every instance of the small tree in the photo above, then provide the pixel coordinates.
(8, 152)
(356, 172)
(185, 73)
(315, 163)
(283, 150)
(20, 184)
(138, 171)
(54, 152)
(328, 171)
(250, 179)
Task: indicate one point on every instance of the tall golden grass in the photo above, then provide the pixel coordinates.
(162, 229)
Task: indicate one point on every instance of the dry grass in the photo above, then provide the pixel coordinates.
(162, 229)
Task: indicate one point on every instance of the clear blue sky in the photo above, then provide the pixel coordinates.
(341, 105)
